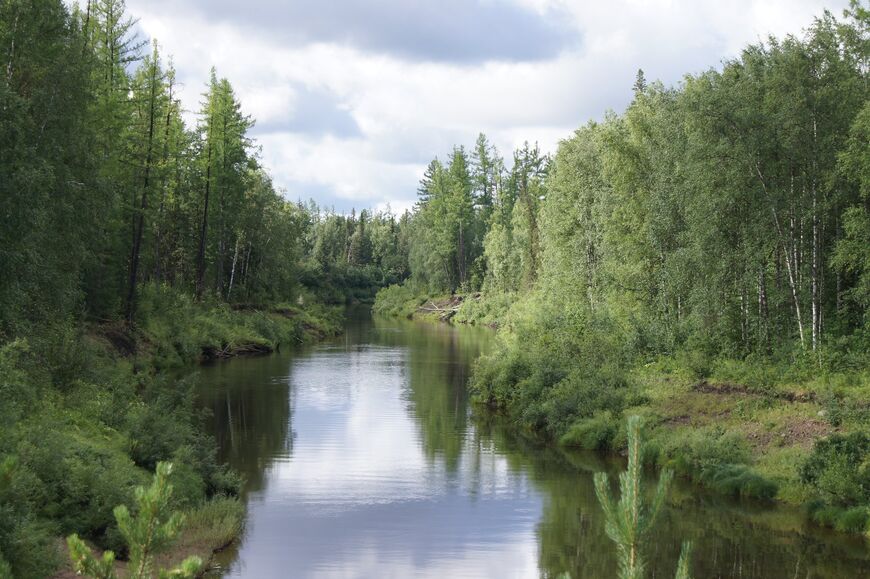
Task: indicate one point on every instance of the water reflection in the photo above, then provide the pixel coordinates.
(362, 460)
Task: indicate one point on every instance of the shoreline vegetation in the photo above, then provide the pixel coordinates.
(135, 243)
(748, 429)
(174, 334)
(699, 259)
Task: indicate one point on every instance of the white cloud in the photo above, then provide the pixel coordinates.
(405, 110)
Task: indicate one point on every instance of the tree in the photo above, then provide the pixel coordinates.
(224, 155)
(149, 531)
(152, 106)
(629, 522)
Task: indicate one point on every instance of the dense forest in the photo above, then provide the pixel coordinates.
(133, 243)
(702, 258)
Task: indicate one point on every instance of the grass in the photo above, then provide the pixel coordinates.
(173, 330)
(209, 528)
(776, 415)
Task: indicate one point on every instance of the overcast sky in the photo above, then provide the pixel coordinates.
(352, 98)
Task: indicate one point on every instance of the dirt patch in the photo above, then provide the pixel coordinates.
(802, 432)
(680, 420)
(706, 387)
(799, 396)
(805, 431)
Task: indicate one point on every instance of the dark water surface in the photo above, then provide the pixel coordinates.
(362, 460)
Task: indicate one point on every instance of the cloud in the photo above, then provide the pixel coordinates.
(352, 99)
(460, 31)
(310, 111)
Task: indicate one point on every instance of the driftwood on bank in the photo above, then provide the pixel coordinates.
(445, 309)
(232, 350)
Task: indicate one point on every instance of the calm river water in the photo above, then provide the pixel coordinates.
(363, 460)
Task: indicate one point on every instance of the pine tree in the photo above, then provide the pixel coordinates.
(149, 531)
(629, 522)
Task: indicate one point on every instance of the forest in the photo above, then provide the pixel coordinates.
(701, 259)
(132, 244)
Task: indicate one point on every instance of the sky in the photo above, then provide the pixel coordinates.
(353, 98)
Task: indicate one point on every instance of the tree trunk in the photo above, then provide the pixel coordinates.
(158, 241)
(816, 251)
(9, 67)
(200, 258)
(233, 270)
(789, 254)
(139, 221)
(763, 331)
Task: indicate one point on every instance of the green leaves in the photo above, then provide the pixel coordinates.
(629, 522)
(150, 530)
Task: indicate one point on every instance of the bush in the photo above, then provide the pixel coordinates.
(839, 469)
(718, 460)
(150, 529)
(756, 376)
(26, 546)
(852, 520)
(488, 309)
(78, 477)
(596, 433)
(738, 480)
(396, 300)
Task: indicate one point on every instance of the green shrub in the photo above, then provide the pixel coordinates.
(718, 459)
(756, 375)
(739, 480)
(697, 362)
(487, 308)
(396, 300)
(699, 450)
(26, 545)
(839, 469)
(150, 529)
(846, 520)
(596, 433)
(852, 520)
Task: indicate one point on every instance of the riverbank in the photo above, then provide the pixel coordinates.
(90, 408)
(756, 428)
(431, 477)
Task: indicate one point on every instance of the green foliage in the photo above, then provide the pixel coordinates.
(629, 522)
(397, 300)
(717, 459)
(150, 530)
(216, 523)
(839, 469)
(846, 520)
(485, 309)
(596, 433)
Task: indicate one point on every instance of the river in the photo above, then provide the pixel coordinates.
(363, 459)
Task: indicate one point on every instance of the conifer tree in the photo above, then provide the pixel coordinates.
(628, 522)
(146, 533)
